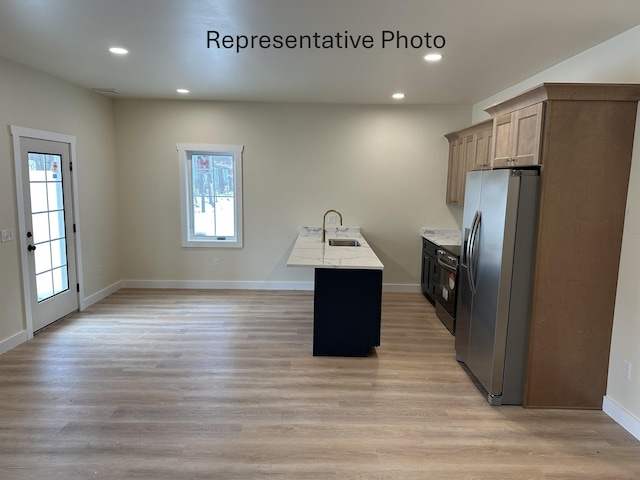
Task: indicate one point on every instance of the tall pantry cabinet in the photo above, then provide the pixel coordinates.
(581, 136)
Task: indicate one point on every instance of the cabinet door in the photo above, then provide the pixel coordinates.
(482, 147)
(527, 135)
(517, 137)
(466, 164)
(455, 157)
(425, 271)
(501, 143)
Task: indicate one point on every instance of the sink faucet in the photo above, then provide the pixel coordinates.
(324, 218)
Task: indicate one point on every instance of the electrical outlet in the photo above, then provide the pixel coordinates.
(216, 262)
(626, 370)
(7, 235)
(332, 219)
(100, 269)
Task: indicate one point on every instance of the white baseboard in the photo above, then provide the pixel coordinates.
(401, 288)
(243, 285)
(13, 341)
(627, 420)
(213, 285)
(96, 297)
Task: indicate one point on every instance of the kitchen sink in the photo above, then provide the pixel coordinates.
(343, 242)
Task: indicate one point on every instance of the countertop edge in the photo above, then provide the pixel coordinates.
(310, 251)
(441, 236)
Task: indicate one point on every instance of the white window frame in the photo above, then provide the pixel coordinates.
(186, 189)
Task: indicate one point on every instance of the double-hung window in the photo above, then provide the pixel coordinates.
(211, 194)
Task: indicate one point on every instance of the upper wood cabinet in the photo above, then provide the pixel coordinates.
(468, 150)
(482, 149)
(517, 137)
(455, 191)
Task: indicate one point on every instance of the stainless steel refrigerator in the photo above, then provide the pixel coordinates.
(495, 279)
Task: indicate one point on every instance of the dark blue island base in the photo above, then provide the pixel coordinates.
(347, 311)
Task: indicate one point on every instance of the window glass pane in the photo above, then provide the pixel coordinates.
(54, 191)
(60, 280)
(40, 224)
(42, 255)
(58, 253)
(44, 285)
(54, 172)
(226, 214)
(213, 206)
(37, 167)
(56, 224)
(38, 197)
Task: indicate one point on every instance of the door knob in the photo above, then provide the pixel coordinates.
(31, 248)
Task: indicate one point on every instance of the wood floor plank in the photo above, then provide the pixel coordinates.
(201, 384)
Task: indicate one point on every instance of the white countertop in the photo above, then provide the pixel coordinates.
(310, 251)
(441, 236)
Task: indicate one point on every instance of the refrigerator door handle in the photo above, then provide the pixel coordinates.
(469, 253)
(467, 250)
(473, 251)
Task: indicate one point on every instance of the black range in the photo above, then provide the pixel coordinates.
(440, 275)
(447, 285)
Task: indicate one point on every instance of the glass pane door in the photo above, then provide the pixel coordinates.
(47, 215)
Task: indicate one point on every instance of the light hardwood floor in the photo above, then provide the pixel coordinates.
(162, 384)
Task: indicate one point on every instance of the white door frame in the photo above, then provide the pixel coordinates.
(21, 132)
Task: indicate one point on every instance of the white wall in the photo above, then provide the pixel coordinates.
(614, 61)
(383, 167)
(34, 100)
(624, 395)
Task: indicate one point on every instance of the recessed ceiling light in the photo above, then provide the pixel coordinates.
(433, 57)
(182, 90)
(119, 50)
(398, 96)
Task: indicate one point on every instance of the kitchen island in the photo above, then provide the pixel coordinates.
(347, 307)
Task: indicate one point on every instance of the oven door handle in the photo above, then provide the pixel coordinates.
(446, 266)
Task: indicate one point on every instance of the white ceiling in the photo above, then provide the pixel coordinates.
(490, 45)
